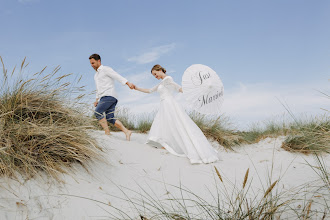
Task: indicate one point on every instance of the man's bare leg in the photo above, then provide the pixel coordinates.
(103, 122)
(127, 132)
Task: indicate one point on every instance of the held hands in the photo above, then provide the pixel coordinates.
(130, 85)
(137, 88)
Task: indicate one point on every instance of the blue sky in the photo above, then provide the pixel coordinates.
(265, 52)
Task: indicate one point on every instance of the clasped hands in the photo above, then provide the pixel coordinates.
(131, 85)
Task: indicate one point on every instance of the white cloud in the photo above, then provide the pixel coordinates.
(152, 54)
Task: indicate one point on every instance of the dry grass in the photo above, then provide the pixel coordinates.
(227, 201)
(306, 135)
(246, 177)
(123, 115)
(39, 129)
(140, 123)
(312, 137)
(218, 129)
(218, 174)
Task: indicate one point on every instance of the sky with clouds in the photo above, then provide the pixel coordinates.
(266, 53)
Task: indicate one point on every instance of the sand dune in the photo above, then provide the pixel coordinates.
(136, 166)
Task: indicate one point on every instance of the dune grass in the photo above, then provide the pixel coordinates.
(41, 127)
(140, 123)
(313, 136)
(306, 135)
(218, 129)
(123, 115)
(227, 200)
(271, 128)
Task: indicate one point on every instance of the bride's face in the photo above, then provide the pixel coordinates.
(158, 74)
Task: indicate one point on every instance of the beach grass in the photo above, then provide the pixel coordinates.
(313, 135)
(139, 123)
(41, 126)
(144, 122)
(126, 118)
(310, 136)
(218, 129)
(227, 200)
(305, 135)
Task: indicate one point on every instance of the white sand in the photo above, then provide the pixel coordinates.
(138, 166)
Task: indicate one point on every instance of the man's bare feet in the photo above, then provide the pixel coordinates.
(128, 135)
(107, 133)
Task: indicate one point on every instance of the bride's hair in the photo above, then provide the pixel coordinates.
(158, 67)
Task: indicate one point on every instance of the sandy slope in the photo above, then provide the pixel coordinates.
(137, 166)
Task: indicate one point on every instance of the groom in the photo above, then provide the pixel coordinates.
(106, 97)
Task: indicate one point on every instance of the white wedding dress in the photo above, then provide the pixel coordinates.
(174, 130)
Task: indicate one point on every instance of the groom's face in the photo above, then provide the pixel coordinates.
(95, 63)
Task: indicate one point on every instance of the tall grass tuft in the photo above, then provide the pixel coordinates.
(218, 129)
(313, 136)
(123, 115)
(144, 122)
(271, 128)
(305, 135)
(137, 122)
(41, 128)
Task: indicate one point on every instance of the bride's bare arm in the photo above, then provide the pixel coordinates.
(142, 90)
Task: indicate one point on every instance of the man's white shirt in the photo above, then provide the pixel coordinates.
(105, 84)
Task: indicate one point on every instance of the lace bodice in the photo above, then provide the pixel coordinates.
(166, 88)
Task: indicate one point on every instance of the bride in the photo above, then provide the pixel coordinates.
(173, 128)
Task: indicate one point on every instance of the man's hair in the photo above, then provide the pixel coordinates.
(95, 56)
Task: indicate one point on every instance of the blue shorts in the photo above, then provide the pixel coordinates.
(106, 104)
